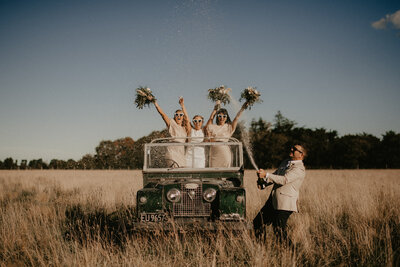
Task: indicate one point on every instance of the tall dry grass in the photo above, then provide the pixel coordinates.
(83, 218)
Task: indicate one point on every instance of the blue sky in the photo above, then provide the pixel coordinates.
(68, 69)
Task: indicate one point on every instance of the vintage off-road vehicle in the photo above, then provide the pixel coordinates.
(182, 196)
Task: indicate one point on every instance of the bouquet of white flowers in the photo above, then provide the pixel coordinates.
(251, 96)
(142, 97)
(220, 93)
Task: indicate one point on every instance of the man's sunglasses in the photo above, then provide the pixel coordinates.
(178, 114)
(293, 149)
(222, 116)
(197, 121)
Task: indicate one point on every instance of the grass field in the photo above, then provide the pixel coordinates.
(77, 218)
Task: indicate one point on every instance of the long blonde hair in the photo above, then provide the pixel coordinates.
(185, 120)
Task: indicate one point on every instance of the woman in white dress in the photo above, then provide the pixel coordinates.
(175, 155)
(195, 157)
(221, 131)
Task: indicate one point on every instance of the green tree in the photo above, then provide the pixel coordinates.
(58, 164)
(138, 151)
(71, 164)
(87, 162)
(269, 146)
(9, 164)
(282, 124)
(37, 164)
(389, 150)
(319, 144)
(355, 151)
(124, 150)
(105, 154)
(24, 164)
(116, 154)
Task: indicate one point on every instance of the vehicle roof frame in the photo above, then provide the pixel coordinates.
(157, 143)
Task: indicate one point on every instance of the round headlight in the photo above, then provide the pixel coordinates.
(142, 200)
(240, 198)
(174, 195)
(209, 194)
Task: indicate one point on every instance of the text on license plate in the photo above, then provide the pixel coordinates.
(152, 217)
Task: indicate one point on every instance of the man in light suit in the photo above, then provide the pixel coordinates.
(282, 202)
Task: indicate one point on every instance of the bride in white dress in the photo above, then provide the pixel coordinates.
(195, 156)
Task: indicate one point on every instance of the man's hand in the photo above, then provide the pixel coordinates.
(261, 173)
(261, 183)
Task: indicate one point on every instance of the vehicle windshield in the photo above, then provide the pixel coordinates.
(188, 154)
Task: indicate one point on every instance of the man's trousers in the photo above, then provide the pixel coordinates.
(268, 215)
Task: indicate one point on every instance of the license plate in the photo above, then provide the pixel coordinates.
(152, 217)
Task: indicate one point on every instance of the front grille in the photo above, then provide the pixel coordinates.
(191, 203)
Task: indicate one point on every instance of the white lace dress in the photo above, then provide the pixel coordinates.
(195, 157)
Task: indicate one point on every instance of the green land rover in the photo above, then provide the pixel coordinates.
(205, 195)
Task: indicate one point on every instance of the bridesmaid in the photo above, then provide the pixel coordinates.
(221, 131)
(195, 157)
(175, 155)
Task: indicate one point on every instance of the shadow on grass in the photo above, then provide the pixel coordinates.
(84, 225)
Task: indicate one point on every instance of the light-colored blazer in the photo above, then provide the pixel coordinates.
(287, 181)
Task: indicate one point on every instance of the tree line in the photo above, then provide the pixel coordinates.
(269, 144)
(326, 150)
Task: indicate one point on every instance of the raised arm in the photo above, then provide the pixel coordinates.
(188, 125)
(163, 115)
(236, 119)
(213, 114)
